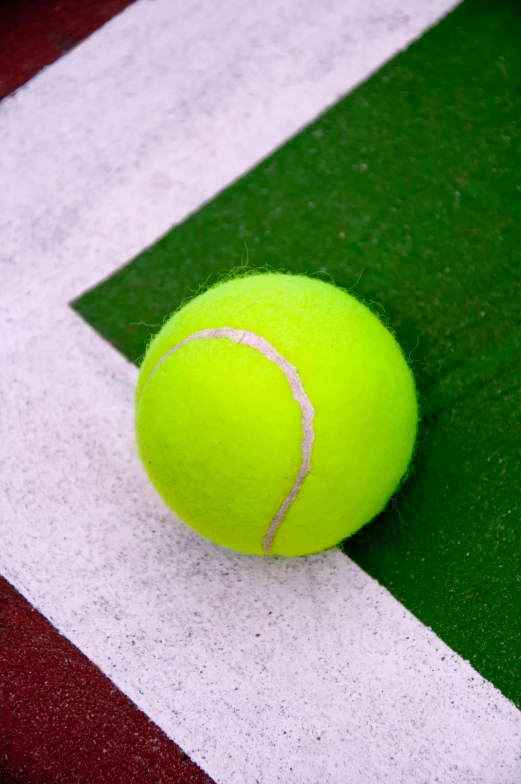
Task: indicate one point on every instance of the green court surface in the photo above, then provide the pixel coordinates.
(409, 192)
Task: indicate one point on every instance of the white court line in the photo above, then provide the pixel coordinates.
(100, 155)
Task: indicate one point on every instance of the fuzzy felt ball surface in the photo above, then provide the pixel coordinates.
(275, 414)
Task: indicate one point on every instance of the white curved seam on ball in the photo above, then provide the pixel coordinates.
(246, 338)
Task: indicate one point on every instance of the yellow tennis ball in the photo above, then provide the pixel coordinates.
(275, 414)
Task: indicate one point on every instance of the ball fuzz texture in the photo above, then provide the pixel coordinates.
(275, 414)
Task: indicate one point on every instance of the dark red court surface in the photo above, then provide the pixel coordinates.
(35, 33)
(63, 722)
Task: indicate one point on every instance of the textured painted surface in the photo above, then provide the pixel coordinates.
(267, 671)
(410, 191)
(62, 720)
(35, 33)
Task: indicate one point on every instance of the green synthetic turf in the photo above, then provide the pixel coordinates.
(409, 190)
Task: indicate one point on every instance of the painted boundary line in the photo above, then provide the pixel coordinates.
(262, 671)
(63, 720)
(33, 35)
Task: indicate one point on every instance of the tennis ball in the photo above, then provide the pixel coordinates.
(275, 414)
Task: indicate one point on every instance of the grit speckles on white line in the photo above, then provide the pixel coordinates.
(264, 670)
(167, 104)
(100, 154)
